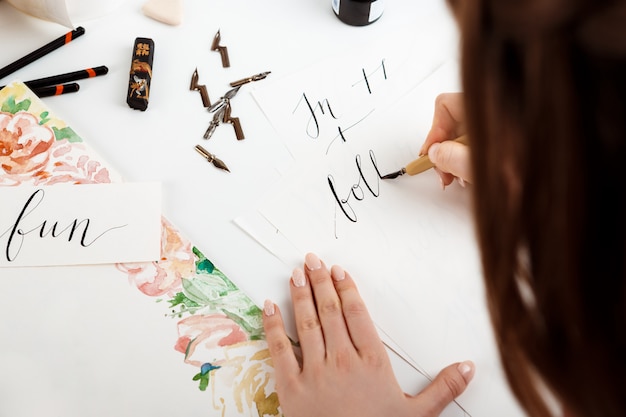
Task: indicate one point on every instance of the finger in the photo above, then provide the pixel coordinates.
(449, 384)
(448, 120)
(328, 304)
(279, 345)
(360, 325)
(307, 321)
(451, 157)
(445, 178)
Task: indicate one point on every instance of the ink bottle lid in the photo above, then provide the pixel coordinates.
(358, 12)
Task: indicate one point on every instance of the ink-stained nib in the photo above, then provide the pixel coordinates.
(140, 75)
(394, 174)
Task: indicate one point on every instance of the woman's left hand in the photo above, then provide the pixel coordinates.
(345, 369)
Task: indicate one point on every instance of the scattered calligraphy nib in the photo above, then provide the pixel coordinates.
(204, 375)
(219, 164)
(215, 46)
(212, 158)
(201, 88)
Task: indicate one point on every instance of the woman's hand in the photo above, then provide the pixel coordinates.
(451, 159)
(345, 368)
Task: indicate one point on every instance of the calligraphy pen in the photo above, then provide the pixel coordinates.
(420, 164)
(44, 50)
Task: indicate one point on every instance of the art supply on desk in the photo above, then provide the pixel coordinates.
(67, 77)
(201, 88)
(246, 80)
(212, 158)
(167, 11)
(215, 46)
(419, 165)
(358, 12)
(222, 113)
(44, 50)
(140, 74)
(56, 90)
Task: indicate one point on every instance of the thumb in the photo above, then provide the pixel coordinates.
(449, 384)
(452, 157)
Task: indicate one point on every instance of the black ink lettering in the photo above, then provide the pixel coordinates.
(341, 133)
(366, 76)
(313, 114)
(367, 83)
(14, 247)
(357, 190)
(358, 166)
(343, 204)
(15, 229)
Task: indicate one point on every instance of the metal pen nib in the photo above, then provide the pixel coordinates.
(246, 80)
(201, 88)
(211, 158)
(217, 119)
(394, 174)
(215, 46)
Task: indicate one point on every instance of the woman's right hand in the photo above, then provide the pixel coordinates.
(451, 159)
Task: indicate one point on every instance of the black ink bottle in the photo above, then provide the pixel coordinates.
(358, 12)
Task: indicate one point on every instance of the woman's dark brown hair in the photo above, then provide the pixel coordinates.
(545, 99)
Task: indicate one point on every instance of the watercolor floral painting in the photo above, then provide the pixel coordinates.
(220, 332)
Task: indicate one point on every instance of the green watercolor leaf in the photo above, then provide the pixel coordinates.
(66, 133)
(44, 117)
(203, 264)
(204, 289)
(213, 292)
(204, 380)
(10, 106)
(182, 300)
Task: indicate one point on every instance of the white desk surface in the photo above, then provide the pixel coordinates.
(280, 36)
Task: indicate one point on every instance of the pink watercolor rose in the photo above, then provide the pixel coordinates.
(165, 276)
(200, 336)
(24, 143)
(72, 163)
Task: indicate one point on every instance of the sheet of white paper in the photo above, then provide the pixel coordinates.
(409, 245)
(80, 224)
(314, 111)
(52, 10)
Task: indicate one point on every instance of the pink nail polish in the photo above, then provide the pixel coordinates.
(467, 370)
(268, 308)
(312, 262)
(337, 273)
(298, 278)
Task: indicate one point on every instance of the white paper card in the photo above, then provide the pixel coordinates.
(80, 224)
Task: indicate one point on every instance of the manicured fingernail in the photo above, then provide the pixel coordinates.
(467, 370)
(312, 262)
(337, 273)
(268, 308)
(297, 276)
